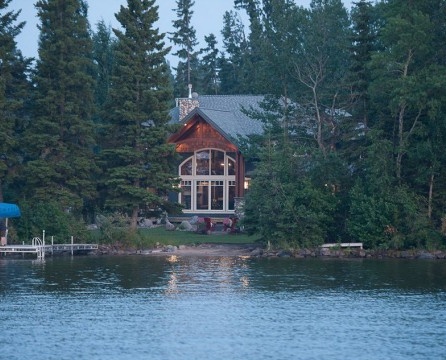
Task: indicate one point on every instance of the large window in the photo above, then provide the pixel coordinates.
(207, 182)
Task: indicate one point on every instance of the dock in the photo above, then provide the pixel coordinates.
(343, 245)
(39, 248)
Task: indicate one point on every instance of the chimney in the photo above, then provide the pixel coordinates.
(186, 105)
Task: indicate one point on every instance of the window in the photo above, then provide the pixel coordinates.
(207, 182)
(202, 161)
(186, 194)
(186, 168)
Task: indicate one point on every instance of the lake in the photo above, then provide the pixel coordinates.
(149, 307)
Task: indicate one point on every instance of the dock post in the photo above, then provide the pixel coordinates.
(43, 245)
(72, 241)
(52, 244)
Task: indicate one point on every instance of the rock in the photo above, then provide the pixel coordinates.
(324, 252)
(170, 248)
(146, 223)
(185, 225)
(407, 254)
(284, 253)
(426, 255)
(305, 253)
(256, 252)
(169, 226)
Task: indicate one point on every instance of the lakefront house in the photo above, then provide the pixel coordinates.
(213, 170)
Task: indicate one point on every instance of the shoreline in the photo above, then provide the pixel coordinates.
(256, 251)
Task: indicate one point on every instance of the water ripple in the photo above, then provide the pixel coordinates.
(221, 308)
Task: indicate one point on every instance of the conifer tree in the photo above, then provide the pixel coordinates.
(185, 38)
(363, 43)
(59, 140)
(209, 83)
(103, 55)
(103, 48)
(254, 57)
(231, 63)
(136, 157)
(14, 92)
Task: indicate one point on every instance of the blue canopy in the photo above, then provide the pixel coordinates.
(9, 210)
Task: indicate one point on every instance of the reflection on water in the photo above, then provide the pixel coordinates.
(174, 307)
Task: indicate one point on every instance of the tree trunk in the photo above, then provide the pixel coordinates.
(134, 219)
(429, 202)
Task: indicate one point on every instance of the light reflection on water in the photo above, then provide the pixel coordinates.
(174, 307)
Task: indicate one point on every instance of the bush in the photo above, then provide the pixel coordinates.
(49, 216)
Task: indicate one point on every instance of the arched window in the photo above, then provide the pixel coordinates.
(207, 182)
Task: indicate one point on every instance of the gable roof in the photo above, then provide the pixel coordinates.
(225, 114)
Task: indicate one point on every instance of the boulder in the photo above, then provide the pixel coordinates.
(426, 255)
(146, 223)
(169, 248)
(324, 252)
(186, 226)
(256, 252)
(169, 226)
(284, 253)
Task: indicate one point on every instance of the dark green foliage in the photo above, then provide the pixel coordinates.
(184, 37)
(290, 200)
(14, 95)
(284, 205)
(209, 67)
(355, 125)
(103, 47)
(60, 139)
(48, 215)
(363, 42)
(232, 70)
(136, 159)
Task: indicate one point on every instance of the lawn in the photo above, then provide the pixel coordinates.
(148, 237)
(161, 235)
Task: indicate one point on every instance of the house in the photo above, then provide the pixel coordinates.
(212, 168)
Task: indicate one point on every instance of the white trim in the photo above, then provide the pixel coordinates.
(225, 179)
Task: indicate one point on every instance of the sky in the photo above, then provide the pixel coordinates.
(207, 18)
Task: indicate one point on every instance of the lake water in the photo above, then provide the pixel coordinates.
(139, 307)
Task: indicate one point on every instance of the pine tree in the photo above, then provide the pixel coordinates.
(14, 92)
(363, 43)
(208, 70)
(59, 140)
(185, 38)
(281, 23)
(137, 173)
(103, 48)
(254, 57)
(103, 55)
(231, 63)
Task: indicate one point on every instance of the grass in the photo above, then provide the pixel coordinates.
(149, 237)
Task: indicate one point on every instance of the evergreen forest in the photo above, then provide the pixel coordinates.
(354, 116)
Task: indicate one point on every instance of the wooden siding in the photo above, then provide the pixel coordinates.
(198, 134)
